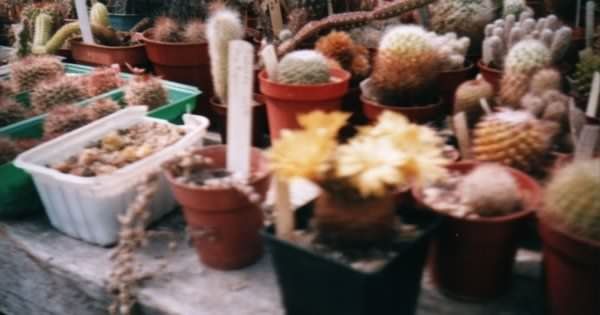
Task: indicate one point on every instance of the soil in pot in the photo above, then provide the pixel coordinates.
(259, 120)
(473, 253)
(224, 224)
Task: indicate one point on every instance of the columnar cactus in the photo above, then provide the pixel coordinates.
(145, 89)
(468, 95)
(340, 47)
(303, 67)
(572, 201)
(11, 111)
(465, 17)
(43, 29)
(222, 27)
(27, 73)
(66, 90)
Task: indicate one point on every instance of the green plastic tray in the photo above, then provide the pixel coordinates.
(18, 196)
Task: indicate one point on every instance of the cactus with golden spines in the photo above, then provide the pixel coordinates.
(340, 47)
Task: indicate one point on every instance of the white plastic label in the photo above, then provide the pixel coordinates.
(239, 107)
(84, 21)
(269, 57)
(485, 105)
(592, 107)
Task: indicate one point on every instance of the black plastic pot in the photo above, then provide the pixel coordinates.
(312, 284)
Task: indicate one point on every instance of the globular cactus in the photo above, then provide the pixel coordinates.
(490, 190)
(195, 32)
(27, 73)
(64, 119)
(145, 89)
(11, 111)
(512, 138)
(8, 150)
(514, 7)
(468, 95)
(167, 30)
(303, 67)
(452, 50)
(464, 17)
(103, 80)
(340, 47)
(101, 108)
(222, 27)
(584, 74)
(66, 90)
(572, 201)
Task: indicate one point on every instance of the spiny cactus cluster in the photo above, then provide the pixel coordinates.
(11, 111)
(103, 80)
(352, 57)
(303, 67)
(505, 33)
(27, 73)
(452, 49)
(169, 30)
(222, 27)
(490, 190)
(512, 138)
(145, 89)
(465, 17)
(468, 95)
(6, 89)
(66, 118)
(589, 63)
(572, 201)
(66, 90)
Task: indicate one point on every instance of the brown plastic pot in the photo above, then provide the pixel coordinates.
(417, 114)
(571, 272)
(259, 119)
(285, 102)
(472, 259)
(224, 224)
(449, 82)
(492, 75)
(100, 55)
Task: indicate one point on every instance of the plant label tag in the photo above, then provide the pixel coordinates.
(461, 129)
(588, 142)
(269, 57)
(84, 21)
(592, 107)
(276, 18)
(239, 113)
(590, 9)
(284, 214)
(485, 106)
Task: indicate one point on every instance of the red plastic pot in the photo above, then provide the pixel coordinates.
(417, 114)
(285, 102)
(449, 82)
(571, 272)
(100, 55)
(224, 224)
(472, 259)
(492, 75)
(259, 120)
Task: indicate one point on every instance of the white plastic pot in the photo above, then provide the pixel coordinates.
(87, 207)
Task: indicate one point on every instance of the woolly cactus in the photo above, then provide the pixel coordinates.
(27, 73)
(11, 111)
(303, 67)
(222, 27)
(490, 190)
(48, 95)
(340, 47)
(64, 119)
(512, 138)
(468, 95)
(145, 89)
(103, 80)
(572, 201)
(8, 150)
(194, 32)
(167, 30)
(453, 50)
(465, 17)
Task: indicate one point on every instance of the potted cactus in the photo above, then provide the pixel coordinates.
(571, 239)
(335, 253)
(304, 82)
(467, 98)
(485, 208)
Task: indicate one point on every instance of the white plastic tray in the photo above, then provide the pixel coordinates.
(87, 207)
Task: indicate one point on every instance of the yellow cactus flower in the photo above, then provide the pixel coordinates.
(329, 123)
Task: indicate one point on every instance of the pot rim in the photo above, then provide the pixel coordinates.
(374, 103)
(147, 38)
(483, 66)
(343, 75)
(79, 41)
(563, 232)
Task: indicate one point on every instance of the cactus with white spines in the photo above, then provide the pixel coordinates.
(303, 67)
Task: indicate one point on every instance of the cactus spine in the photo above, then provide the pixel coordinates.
(222, 27)
(27, 73)
(303, 67)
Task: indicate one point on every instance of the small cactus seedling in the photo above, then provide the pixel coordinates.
(340, 47)
(303, 67)
(27, 73)
(11, 111)
(48, 95)
(572, 199)
(145, 89)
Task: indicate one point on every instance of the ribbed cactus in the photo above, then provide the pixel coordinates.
(195, 32)
(8, 150)
(490, 190)
(66, 90)
(572, 201)
(222, 27)
(584, 75)
(303, 67)
(167, 30)
(511, 138)
(464, 17)
(145, 89)
(63, 119)
(103, 80)
(340, 47)
(468, 95)
(11, 111)
(27, 73)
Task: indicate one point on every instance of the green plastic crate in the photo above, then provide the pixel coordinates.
(18, 196)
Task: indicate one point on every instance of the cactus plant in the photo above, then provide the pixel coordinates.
(167, 30)
(11, 111)
(465, 17)
(222, 27)
(468, 95)
(514, 7)
(296, 19)
(8, 150)
(43, 29)
(6, 89)
(513, 138)
(340, 47)
(453, 50)
(27, 73)
(145, 89)
(545, 79)
(571, 199)
(101, 108)
(194, 32)
(65, 90)
(99, 15)
(103, 80)
(303, 67)
(584, 74)
(63, 119)
(489, 198)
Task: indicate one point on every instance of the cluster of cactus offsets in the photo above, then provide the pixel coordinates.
(514, 7)
(145, 89)
(505, 33)
(352, 57)
(303, 67)
(465, 17)
(584, 74)
(523, 61)
(487, 199)
(468, 95)
(67, 118)
(572, 201)
(168, 30)
(103, 80)
(222, 27)
(452, 49)
(194, 32)
(66, 90)
(8, 150)
(512, 138)
(28, 72)
(11, 111)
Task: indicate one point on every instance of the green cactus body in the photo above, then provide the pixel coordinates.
(221, 28)
(48, 95)
(99, 15)
(303, 67)
(104, 34)
(572, 199)
(27, 73)
(43, 27)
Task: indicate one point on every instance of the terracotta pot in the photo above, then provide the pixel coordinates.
(285, 102)
(100, 55)
(417, 114)
(472, 259)
(492, 75)
(259, 120)
(449, 82)
(571, 272)
(225, 225)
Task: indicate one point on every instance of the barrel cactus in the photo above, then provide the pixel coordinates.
(103, 80)
(195, 31)
(101, 108)
(63, 119)
(27, 73)
(66, 90)
(303, 67)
